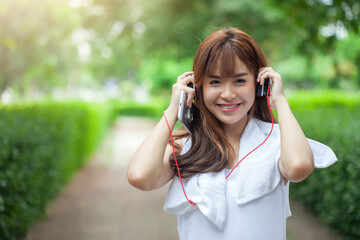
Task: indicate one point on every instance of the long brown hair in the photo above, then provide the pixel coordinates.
(210, 151)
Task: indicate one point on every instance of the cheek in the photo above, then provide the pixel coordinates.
(206, 92)
(209, 96)
(207, 99)
(249, 94)
(246, 91)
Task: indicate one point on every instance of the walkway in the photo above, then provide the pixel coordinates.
(99, 204)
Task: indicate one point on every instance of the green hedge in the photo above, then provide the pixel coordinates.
(41, 147)
(333, 193)
(330, 117)
(153, 109)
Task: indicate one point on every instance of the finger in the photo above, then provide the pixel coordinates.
(272, 75)
(260, 72)
(263, 74)
(190, 99)
(184, 75)
(187, 79)
(275, 78)
(260, 75)
(190, 92)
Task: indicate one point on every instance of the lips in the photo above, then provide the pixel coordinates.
(228, 107)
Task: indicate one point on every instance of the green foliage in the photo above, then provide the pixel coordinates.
(306, 58)
(330, 117)
(41, 147)
(341, 16)
(333, 193)
(153, 109)
(328, 98)
(39, 49)
(159, 74)
(35, 43)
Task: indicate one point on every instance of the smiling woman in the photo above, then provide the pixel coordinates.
(230, 99)
(230, 123)
(225, 66)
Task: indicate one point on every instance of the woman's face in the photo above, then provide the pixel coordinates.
(229, 99)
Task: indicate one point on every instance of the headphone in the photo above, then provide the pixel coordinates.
(261, 91)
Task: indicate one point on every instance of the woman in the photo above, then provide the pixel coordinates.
(252, 200)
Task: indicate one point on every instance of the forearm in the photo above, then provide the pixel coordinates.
(149, 168)
(296, 155)
(147, 164)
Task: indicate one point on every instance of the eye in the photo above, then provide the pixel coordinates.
(214, 82)
(240, 81)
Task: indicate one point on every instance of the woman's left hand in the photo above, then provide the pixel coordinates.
(277, 91)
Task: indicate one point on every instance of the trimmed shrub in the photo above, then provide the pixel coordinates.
(41, 147)
(332, 193)
(330, 117)
(154, 109)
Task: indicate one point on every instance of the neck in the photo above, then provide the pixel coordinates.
(234, 132)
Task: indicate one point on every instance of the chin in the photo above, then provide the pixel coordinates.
(225, 121)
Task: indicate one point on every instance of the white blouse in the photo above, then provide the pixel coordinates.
(253, 203)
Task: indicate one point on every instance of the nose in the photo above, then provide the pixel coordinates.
(227, 92)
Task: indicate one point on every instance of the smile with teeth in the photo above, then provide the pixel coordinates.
(229, 107)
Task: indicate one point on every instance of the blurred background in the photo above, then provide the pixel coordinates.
(70, 68)
(136, 49)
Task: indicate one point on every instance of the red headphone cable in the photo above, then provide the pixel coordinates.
(177, 166)
(272, 126)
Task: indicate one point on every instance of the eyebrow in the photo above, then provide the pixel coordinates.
(235, 76)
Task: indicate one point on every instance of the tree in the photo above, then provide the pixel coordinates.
(318, 25)
(35, 43)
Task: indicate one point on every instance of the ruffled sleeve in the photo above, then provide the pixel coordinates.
(323, 155)
(207, 190)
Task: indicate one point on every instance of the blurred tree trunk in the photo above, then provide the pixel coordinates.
(5, 75)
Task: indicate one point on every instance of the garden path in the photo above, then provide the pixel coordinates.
(99, 204)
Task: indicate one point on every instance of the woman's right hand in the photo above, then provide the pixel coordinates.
(181, 85)
(149, 167)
